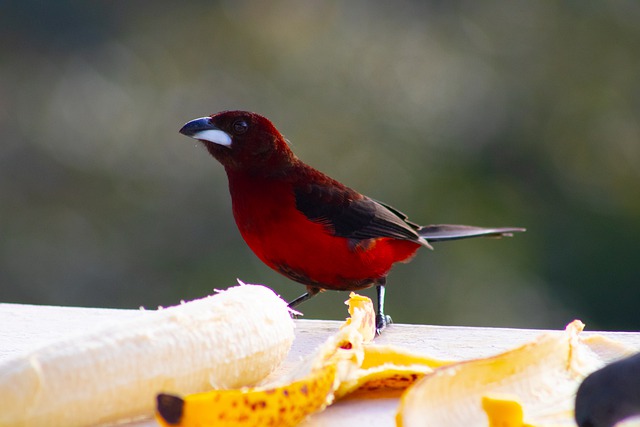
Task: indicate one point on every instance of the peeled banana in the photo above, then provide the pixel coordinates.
(232, 339)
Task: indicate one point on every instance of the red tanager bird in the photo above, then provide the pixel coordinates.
(306, 225)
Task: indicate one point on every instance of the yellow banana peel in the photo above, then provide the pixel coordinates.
(503, 411)
(387, 370)
(276, 406)
(345, 363)
(531, 386)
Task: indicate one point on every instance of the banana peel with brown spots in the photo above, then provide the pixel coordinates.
(343, 365)
(531, 386)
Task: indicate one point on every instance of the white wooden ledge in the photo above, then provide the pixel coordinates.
(23, 327)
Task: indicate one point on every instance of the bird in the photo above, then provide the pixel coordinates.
(610, 394)
(306, 225)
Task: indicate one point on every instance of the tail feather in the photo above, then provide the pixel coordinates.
(443, 232)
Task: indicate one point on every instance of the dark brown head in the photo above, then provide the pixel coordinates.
(242, 141)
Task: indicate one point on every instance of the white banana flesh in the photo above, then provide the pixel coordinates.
(229, 340)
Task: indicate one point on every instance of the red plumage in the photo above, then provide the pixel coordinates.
(304, 224)
(305, 250)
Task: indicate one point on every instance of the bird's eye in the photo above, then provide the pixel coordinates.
(240, 126)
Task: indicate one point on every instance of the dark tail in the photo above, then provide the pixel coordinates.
(443, 232)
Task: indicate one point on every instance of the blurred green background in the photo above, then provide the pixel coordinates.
(487, 113)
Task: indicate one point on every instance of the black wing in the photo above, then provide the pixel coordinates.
(348, 214)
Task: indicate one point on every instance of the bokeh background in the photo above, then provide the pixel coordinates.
(487, 113)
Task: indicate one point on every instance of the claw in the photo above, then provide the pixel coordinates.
(381, 322)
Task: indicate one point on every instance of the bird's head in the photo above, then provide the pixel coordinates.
(242, 141)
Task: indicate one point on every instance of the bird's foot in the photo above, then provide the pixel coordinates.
(382, 320)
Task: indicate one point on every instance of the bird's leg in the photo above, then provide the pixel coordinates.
(311, 292)
(382, 320)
